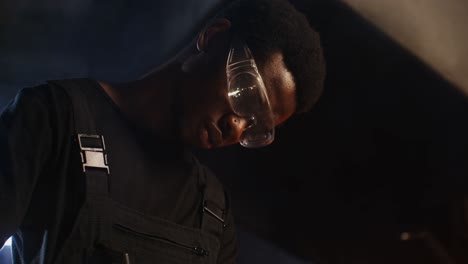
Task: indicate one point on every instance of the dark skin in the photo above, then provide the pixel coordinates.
(206, 118)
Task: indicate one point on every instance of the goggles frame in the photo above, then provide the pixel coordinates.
(241, 68)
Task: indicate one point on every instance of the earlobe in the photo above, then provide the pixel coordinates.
(216, 26)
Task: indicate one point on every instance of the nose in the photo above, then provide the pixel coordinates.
(233, 127)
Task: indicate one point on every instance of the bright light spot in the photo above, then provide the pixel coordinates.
(405, 236)
(8, 242)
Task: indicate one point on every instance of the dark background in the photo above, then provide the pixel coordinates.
(386, 143)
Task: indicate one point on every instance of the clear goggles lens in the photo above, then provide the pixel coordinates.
(248, 97)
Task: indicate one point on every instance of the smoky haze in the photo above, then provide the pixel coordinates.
(387, 138)
(433, 30)
(109, 40)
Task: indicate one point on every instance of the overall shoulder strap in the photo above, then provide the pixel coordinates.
(214, 203)
(92, 150)
(91, 143)
(77, 91)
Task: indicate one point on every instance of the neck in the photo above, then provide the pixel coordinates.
(149, 102)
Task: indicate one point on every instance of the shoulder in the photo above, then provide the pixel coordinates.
(55, 94)
(43, 93)
(55, 90)
(41, 108)
(34, 101)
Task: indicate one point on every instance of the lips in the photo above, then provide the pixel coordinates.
(204, 138)
(211, 135)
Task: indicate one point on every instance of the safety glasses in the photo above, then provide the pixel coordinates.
(248, 96)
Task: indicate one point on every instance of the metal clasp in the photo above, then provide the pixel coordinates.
(127, 258)
(212, 213)
(93, 152)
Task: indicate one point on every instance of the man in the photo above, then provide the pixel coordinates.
(98, 172)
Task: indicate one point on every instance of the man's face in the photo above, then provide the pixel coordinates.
(208, 120)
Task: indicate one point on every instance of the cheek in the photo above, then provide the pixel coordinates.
(207, 102)
(214, 95)
(206, 97)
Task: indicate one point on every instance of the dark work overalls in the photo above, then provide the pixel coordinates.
(109, 232)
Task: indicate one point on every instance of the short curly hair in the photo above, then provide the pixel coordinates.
(276, 25)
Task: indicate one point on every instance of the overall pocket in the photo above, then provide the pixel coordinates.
(143, 247)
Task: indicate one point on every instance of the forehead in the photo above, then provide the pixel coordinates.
(280, 85)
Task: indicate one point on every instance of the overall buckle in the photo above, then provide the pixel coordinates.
(218, 214)
(92, 152)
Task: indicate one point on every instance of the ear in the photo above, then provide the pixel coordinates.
(216, 26)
